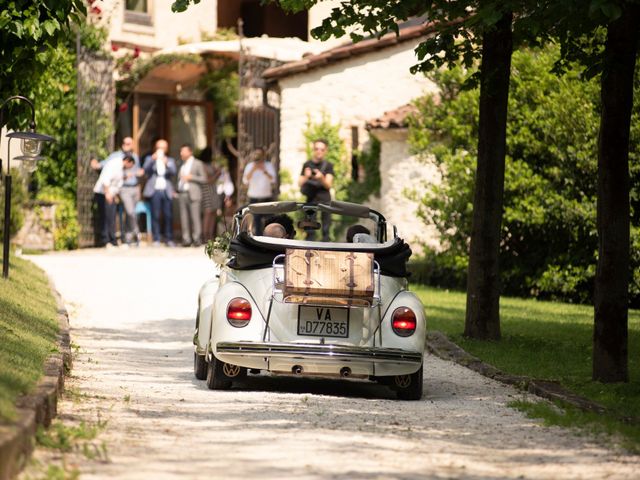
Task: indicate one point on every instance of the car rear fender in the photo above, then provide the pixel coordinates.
(415, 342)
(221, 329)
(203, 320)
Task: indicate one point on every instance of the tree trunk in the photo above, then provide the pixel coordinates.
(611, 296)
(483, 282)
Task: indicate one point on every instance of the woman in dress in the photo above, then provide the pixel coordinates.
(210, 198)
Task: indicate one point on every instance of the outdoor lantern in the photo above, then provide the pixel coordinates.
(31, 145)
(31, 142)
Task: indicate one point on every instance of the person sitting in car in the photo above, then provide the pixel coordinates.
(286, 222)
(274, 230)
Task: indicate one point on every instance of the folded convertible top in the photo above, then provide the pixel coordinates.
(248, 253)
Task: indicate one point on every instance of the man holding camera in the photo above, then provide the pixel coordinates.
(260, 176)
(316, 180)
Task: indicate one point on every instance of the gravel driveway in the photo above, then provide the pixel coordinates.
(132, 317)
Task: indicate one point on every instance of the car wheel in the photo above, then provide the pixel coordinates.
(216, 378)
(199, 366)
(409, 387)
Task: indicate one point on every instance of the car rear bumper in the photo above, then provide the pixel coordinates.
(319, 352)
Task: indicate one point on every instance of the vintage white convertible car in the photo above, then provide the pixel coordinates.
(299, 307)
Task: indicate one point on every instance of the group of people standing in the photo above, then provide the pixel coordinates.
(202, 190)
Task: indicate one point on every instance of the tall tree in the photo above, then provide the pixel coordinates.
(611, 299)
(603, 36)
(483, 278)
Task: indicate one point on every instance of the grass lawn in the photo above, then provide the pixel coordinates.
(28, 329)
(547, 340)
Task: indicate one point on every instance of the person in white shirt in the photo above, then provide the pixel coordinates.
(260, 176)
(105, 192)
(190, 180)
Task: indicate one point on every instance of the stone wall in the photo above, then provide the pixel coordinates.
(37, 231)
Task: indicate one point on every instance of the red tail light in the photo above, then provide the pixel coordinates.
(239, 312)
(403, 322)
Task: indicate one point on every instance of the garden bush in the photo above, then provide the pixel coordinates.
(18, 202)
(549, 238)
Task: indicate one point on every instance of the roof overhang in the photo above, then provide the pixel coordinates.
(169, 78)
(281, 49)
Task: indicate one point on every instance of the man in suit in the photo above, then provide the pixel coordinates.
(160, 170)
(190, 179)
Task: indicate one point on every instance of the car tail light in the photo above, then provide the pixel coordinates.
(403, 322)
(239, 312)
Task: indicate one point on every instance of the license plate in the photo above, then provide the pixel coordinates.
(323, 322)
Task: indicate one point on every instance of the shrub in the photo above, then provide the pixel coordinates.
(549, 239)
(18, 202)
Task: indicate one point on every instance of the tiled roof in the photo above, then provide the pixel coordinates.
(393, 119)
(349, 50)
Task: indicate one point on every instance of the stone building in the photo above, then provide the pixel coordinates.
(287, 79)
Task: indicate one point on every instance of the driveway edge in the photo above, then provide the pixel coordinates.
(17, 440)
(442, 347)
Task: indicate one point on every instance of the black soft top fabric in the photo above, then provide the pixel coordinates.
(248, 254)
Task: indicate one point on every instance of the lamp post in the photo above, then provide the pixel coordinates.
(31, 144)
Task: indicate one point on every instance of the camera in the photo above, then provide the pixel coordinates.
(314, 171)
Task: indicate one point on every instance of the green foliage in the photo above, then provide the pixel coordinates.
(458, 27)
(560, 414)
(54, 93)
(550, 179)
(222, 87)
(65, 438)
(29, 29)
(182, 5)
(101, 123)
(218, 248)
(550, 341)
(18, 202)
(93, 37)
(221, 34)
(439, 268)
(456, 33)
(28, 328)
(67, 230)
(55, 100)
